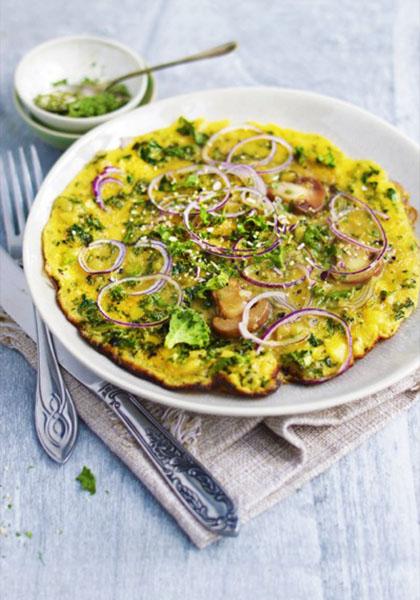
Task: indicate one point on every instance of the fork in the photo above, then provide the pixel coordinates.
(56, 420)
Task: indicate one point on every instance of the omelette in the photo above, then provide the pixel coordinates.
(205, 255)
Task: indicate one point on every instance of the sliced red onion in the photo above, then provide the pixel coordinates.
(273, 138)
(102, 174)
(167, 262)
(260, 163)
(364, 297)
(212, 139)
(198, 170)
(246, 172)
(317, 312)
(381, 214)
(280, 298)
(245, 191)
(333, 222)
(147, 291)
(350, 276)
(116, 264)
(110, 169)
(98, 184)
(192, 208)
(162, 249)
(279, 285)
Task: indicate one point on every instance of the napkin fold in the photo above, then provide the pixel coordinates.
(259, 461)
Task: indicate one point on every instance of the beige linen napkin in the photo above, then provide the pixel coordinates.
(258, 461)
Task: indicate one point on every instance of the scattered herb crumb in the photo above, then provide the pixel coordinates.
(40, 557)
(87, 480)
(28, 534)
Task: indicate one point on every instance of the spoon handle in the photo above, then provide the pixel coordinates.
(211, 53)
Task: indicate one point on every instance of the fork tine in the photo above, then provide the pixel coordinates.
(27, 183)
(17, 194)
(37, 167)
(6, 208)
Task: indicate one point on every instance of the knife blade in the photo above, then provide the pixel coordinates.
(190, 481)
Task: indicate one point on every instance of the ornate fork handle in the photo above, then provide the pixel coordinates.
(197, 489)
(55, 414)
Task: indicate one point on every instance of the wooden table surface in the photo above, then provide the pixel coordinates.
(351, 533)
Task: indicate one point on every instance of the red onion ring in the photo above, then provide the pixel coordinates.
(346, 274)
(210, 142)
(319, 312)
(273, 138)
(116, 264)
(220, 250)
(250, 207)
(281, 299)
(148, 291)
(279, 285)
(167, 262)
(260, 163)
(97, 183)
(199, 170)
(162, 249)
(245, 172)
(332, 222)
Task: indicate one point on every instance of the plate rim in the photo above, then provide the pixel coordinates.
(160, 394)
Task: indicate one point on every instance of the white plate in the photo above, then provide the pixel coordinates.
(357, 132)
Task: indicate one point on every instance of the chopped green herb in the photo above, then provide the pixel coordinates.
(188, 128)
(399, 308)
(300, 155)
(328, 159)
(154, 154)
(391, 193)
(314, 341)
(298, 358)
(409, 284)
(366, 175)
(75, 102)
(223, 363)
(84, 229)
(117, 293)
(87, 480)
(88, 309)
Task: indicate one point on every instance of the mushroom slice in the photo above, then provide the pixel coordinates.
(306, 194)
(259, 314)
(229, 328)
(231, 300)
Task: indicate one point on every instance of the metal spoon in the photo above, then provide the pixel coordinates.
(211, 53)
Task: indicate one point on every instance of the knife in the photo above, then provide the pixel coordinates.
(189, 480)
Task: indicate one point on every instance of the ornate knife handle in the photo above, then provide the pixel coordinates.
(197, 489)
(56, 420)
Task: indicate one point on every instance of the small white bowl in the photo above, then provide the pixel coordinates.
(74, 58)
